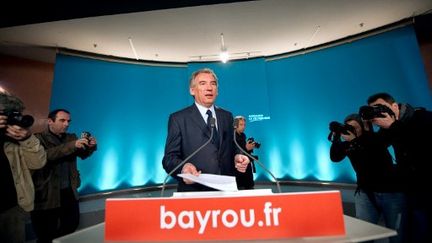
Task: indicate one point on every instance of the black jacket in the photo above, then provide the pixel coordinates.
(411, 137)
(187, 131)
(245, 180)
(371, 161)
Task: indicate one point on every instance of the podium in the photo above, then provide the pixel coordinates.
(238, 217)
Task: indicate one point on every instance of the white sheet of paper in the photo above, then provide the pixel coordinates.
(219, 182)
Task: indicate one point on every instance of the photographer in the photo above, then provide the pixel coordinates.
(378, 186)
(56, 204)
(20, 153)
(409, 131)
(245, 180)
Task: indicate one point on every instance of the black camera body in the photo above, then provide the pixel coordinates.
(339, 128)
(86, 135)
(252, 140)
(370, 112)
(16, 118)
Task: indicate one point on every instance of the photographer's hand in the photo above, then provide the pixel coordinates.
(92, 142)
(18, 133)
(81, 143)
(250, 145)
(384, 122)
(3, 121)
(348, 137)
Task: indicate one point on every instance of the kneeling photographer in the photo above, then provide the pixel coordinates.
(21, 152)
(378, 185)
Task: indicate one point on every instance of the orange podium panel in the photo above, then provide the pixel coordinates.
(274, 216)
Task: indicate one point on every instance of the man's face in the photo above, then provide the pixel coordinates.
(60, 124)
(357, 127)
(204, 89)
(241, 126)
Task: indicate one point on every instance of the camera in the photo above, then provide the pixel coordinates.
(16, 118)
(339, 128)
(252, 140)
(370, 112)
(86, 135)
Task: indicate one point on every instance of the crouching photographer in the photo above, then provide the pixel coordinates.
(378, 185)
(56, 210)
(20, 152)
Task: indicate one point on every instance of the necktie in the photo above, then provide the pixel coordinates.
(209, 117)
(215, 133)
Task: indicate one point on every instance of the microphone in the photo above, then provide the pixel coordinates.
(212, 125)
(255, 159)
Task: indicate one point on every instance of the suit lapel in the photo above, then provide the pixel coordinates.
(221, 123)
(196, 117)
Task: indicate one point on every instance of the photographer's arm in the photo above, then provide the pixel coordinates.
(88, 147)
(250, 146)
(338, 150)
(56, 153)
(33, 152)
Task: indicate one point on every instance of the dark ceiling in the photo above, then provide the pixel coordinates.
(31, 12)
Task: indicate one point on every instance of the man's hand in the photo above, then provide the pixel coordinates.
(348, 137)
(92, 142)
(81, 143)
(384, 122)
(189, 168)
(16, 132)
(250, 145)
(3, 121)
(241, 162)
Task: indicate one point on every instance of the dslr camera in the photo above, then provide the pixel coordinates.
(86, 135)
(16, 118)
(370, 112)
(252, 140)
(337, 129)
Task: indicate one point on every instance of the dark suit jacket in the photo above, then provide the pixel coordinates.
(187, 131)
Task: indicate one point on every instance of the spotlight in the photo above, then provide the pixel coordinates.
(224, 56)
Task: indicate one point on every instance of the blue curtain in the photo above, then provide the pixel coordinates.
(288, 102)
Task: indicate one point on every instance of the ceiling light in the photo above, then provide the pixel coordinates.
(223, 56)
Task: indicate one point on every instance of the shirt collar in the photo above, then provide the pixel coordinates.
(203, 110)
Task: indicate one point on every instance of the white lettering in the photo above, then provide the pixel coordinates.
(164, 215)
(215, 214)
(189, 216)
(267, 212)
(229, 218)
(251, 221)
(276, 212)
(203, 221)
(234, 216)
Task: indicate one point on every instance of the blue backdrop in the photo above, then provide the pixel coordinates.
(289, 103)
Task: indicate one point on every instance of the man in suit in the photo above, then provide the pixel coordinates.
(188, 129)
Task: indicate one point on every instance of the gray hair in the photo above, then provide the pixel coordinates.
(240, 118)
(203, 70)
(11, 102)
